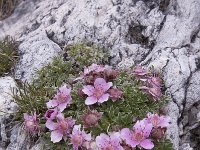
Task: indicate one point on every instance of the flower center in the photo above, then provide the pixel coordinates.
(77, 140)
(30, 123)
(63, 125)
(155, 120)
(138, 136)
(62, 96)
(109, 147)
(91, 119)
(98, 92)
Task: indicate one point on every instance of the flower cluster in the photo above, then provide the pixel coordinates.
(140, 134)
(99, 89)
(151, 82)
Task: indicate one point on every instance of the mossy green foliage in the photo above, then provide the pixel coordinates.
(116, 115)
(8, 54)
(164, 144)
(82, 55)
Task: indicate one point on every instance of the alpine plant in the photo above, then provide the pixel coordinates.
(93, 111)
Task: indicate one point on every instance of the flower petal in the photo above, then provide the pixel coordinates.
(147, 144)
(147, 130)
(140, 125)
(26, 116)
(56, 136)
(99, 82)
(64, 90)
(115, 138)
(102, 140)
(126, 135)
(51, 125)
(52, 103)
(90, 100)
(62, 106)
(164, 121)
(60, 116)
(76, 129)
(88, 89)
(107, 86)
(103, 98)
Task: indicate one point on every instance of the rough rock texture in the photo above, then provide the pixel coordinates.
(163, 33)
(7, 107)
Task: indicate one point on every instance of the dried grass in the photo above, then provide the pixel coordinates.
(6, 8)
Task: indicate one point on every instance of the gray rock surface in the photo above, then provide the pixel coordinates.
(7, 107)
(163, 33)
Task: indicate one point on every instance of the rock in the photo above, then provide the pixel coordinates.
(162, 33)
(19, 139)
(7, 107)
(186, 146)
(173, 130)
(38, 50)
(7, 84)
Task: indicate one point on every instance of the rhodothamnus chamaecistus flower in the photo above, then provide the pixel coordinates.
(94, 67)
(62, 99)
(115, 94)
(158, 121)
(91, 118)
(139, 136)
(109, 142)
(110, 73)
(51, 113)
(31, 123)
(61, 128)
(79, 138)
(158, 133)
(139, 71)
(153, 91)
(98, 92)
(154, 82)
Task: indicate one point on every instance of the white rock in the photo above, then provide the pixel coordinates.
(7, 105)
(172, 37)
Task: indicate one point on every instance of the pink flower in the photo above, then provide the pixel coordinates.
(109, 142)
(154, 81)
(98, 92)
(79, 138)
(155, 92)
(62, 99)
(61, 128)
(115, 94)
(140, 71)
(91, 118)
(94, 67)
(158, 133)
(158, 121)
(138, 137)
(31, 123)
(51, 114)
(110, 73)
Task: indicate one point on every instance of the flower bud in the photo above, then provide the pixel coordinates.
(115, 94)
(91, 118)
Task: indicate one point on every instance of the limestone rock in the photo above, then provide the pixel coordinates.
(7, 107)
(163, 33)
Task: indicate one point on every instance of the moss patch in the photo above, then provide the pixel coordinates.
(8, 55)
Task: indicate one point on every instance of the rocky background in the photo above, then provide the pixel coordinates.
(163, 33)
